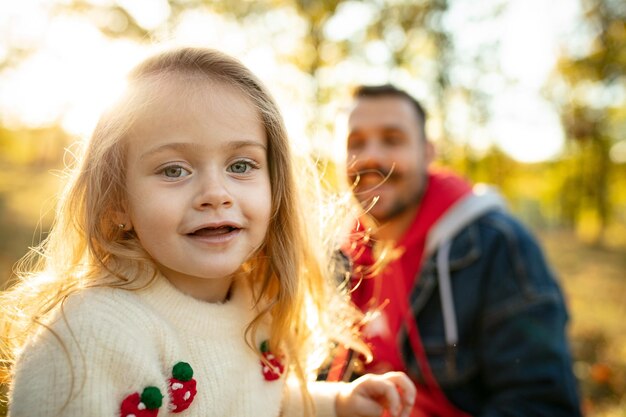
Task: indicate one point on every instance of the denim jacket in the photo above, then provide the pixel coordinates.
(500, 347)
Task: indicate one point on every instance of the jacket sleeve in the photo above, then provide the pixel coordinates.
(527, 367)
(85, 362)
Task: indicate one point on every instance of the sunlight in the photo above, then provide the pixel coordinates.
(149, 14)
(101, 86)
(23, 23)
(256, 49)
(77, 71)
(351, 17)
(526, 127)
(70, 80)
(618, 152)
(522, 123)
(529, 55)
(197, 27)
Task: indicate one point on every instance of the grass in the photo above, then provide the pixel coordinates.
(594, 283)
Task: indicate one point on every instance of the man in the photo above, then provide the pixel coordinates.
(464, 302)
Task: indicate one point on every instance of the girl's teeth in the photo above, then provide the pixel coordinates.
(213, 232)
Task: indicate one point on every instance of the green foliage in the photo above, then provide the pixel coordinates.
(591, 119)
(31, 162)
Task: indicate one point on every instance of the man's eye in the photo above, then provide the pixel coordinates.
(355, 144)
(175, 171)
(393, 139)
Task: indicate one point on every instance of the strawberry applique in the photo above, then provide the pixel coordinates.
(272, 366)
(145, 405)
(182, 387)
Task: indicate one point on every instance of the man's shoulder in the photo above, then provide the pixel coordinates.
(500, 224)
(493, 232)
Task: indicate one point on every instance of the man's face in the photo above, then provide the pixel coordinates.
(387, 156)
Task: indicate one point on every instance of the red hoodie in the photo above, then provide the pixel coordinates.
(388, 292)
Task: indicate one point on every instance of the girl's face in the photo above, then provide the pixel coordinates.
(199, 196)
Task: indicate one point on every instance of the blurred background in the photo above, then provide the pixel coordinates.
(528, 95)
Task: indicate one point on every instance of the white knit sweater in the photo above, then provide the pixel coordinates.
(118, 342)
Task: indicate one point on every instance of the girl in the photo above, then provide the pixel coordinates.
(180, 275)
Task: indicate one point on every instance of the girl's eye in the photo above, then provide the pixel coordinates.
(175, 171)
(241, 167)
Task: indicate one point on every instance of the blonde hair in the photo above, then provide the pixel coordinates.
(86, 248)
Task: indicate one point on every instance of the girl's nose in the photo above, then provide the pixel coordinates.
(213, 193)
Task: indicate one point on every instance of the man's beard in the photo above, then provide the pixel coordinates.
(401, 205)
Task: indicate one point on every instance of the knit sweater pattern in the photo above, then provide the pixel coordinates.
(106, 344)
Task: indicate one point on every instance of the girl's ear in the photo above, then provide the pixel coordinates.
(122, 220)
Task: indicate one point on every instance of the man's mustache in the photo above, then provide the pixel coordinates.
(383, 174)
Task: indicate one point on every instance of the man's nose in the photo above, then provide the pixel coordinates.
(370, 155)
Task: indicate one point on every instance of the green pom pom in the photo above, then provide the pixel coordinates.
(152, 397)
(182, 371)
(265, 346)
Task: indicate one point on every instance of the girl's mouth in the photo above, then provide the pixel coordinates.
(214, 231)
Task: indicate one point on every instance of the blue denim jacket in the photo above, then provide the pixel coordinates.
(511, 355)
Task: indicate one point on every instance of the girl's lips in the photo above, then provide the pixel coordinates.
(221, 234)
(214, 231)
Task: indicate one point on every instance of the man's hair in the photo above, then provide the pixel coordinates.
(374, 91)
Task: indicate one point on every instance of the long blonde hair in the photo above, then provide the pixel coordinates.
(86, 248)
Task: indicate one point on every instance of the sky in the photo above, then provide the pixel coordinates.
(77, 71)
(530, 33)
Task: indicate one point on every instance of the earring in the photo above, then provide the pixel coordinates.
(121, 226)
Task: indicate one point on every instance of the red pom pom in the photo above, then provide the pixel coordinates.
(182, 394)
(273, 368)
(182, 387)
(132, 406)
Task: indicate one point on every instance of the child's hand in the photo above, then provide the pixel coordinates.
(371, 394)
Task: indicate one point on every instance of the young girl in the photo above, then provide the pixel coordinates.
(180, 275)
